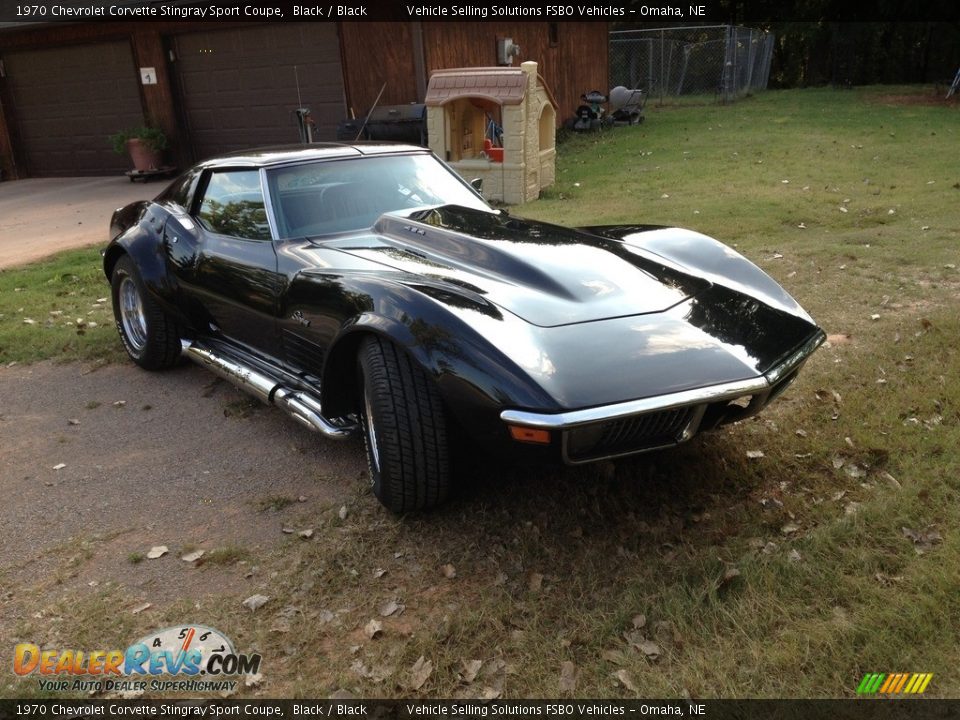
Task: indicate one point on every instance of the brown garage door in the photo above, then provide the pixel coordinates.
(67, 101)
(239, 87)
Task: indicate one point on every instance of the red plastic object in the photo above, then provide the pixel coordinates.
(494, 153)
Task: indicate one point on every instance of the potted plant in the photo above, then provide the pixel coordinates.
(144, 144)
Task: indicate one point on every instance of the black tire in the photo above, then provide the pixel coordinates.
(404, 429)
(150, 337)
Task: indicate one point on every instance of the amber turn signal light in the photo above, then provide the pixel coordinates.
(530, 435)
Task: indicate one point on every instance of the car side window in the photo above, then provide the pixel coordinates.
(180, 190)
(233, 205)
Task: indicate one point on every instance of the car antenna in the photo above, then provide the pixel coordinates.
(370, 112)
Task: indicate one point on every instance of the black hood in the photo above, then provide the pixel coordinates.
(545, 274)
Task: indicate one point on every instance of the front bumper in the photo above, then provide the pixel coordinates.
(652, 423)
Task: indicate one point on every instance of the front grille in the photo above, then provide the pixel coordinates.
(629, 435)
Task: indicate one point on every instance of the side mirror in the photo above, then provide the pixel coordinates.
(477, 184)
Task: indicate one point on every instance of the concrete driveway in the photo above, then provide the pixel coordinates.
(40, 217)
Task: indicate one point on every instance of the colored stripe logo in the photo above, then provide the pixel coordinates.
(894, 683)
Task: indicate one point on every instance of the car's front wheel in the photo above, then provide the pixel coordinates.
(405, 429)
(150, 337)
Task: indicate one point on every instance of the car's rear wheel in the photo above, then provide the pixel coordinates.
(150, 337)
(405, 429)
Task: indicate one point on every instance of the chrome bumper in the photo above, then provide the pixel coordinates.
(763, 387)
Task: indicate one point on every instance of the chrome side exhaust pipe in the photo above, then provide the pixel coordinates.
(301, 406)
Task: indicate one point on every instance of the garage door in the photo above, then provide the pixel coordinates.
(239, 87)
(67, 101)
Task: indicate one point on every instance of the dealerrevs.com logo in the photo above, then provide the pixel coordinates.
(190, 658)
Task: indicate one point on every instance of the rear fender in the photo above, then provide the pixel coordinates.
(139, 235)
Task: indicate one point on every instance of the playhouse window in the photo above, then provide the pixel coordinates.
(548, 127)
(471, 121)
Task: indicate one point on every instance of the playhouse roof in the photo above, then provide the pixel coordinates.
(502, 85)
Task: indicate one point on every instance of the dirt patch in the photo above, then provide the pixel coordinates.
(174, 458)
(937, 99)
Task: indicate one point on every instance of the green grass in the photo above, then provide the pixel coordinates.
(226, 555)
(50, 309)
(829, 586)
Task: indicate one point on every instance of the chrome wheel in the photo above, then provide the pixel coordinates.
(131, 314)
(371, 435)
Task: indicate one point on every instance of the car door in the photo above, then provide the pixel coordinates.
(225, 260)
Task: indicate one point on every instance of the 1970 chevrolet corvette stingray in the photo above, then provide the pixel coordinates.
(368, 288)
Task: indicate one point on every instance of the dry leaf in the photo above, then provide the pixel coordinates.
(650, 649)
(624, 677)
(535, 583)
(157, 551)
(614, 656)
(390, 608)
(729, 576)
(470, 670)
(924, 539)
(140, 608)
(255, 601)
(789, 529)
(419, 673)
(639, 620)
(888, 580)
(373, 629)
(449, 571)
(568, 677)
(894, 483)
(855, 471)
(359, 668)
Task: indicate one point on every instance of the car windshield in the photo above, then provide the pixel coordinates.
(338, 196)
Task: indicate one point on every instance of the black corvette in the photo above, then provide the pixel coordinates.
(368, 288)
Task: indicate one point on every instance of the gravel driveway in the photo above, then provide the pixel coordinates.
(171, 458)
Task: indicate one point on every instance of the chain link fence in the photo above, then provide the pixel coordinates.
(717, 63)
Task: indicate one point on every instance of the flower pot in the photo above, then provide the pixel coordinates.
(143, 157)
